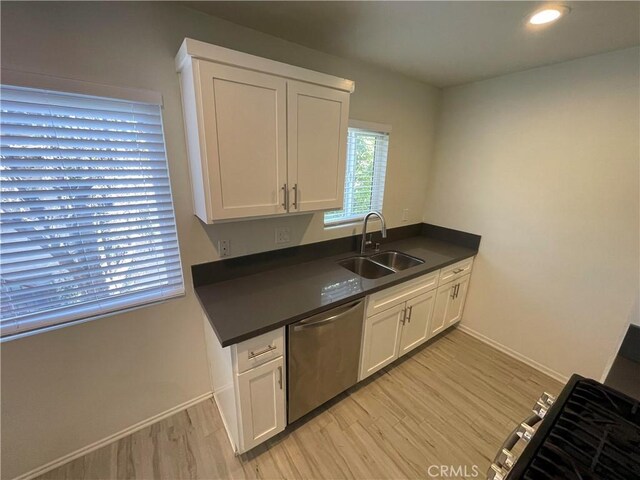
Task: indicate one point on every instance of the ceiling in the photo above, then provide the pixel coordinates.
(441, 43)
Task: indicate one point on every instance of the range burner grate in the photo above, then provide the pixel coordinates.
(594, 434)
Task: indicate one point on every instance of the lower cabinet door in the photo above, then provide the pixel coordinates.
(443, 308)
(381, 340)
(415, 330)
(261, 393)
(450, 300)
(454, 314)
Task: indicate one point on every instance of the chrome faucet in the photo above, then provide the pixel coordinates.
(366, 242)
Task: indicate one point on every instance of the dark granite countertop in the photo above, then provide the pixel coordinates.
(249, 305)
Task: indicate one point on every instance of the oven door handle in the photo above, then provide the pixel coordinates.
(318, 322)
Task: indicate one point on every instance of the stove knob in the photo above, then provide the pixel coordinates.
(496, 473)
(505, 459)
(547, 399)
(540, 409)
(525, 432)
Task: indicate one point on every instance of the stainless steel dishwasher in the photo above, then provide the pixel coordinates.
(323, 356)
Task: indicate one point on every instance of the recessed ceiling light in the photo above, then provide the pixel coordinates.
(547, 15)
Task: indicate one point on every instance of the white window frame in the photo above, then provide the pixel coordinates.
(371, 127)
(16, 78)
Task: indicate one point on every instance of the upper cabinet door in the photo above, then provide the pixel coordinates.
(318, 119)
(243, 118)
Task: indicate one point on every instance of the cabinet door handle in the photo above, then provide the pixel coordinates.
(410, 313)
(295, 196)
(453, 292)
(404, 317)
(285, 197)
(280, 377)
(266, 350)
(457, 289)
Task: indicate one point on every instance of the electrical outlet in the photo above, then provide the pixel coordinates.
(405, 215)
(223, 248)
(283, 234)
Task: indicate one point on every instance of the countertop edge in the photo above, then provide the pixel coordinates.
(287, 321)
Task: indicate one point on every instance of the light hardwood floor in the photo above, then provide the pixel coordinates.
(451, 403)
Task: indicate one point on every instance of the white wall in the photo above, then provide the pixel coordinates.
(65, 389)
(544, 165)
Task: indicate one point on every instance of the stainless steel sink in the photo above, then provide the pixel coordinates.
(365, 268)
(396, 260)
(380, 264)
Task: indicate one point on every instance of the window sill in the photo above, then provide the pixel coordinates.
(56, 326)
(351, 222)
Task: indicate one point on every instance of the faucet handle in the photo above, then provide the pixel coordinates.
(369, 240)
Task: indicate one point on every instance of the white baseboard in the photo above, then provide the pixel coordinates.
(512, 353)
(224, 422)
(111, 438)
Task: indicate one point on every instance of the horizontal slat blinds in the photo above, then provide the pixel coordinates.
(364, 182)
(87, 224)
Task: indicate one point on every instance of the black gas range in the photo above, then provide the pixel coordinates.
(590, 432)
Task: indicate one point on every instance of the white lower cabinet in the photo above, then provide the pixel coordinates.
(262, 406)
(249, 386)
(249, 378)
(415, 329)
(450, 300)
(405, 316)
(399, 329)
(381, 339)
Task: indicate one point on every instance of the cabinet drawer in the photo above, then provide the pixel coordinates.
(390, 297)
(259, 350)
(455, 271)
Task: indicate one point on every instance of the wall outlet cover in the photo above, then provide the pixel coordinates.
(223, 248)
(283, 234)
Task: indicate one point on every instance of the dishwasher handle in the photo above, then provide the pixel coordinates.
(320, 320)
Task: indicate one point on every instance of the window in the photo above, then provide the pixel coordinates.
(87, 224)
(367, 146)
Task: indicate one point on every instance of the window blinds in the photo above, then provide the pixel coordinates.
(87, 224)
(364, 182)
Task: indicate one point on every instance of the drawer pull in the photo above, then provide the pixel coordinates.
(458, 270)
(266, 350)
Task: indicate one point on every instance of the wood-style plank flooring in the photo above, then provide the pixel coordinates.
(453, 402)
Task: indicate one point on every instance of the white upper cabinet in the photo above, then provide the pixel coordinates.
(244, 123)
(263, 138)
(318, 119)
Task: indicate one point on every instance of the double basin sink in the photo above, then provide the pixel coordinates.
(379, 264)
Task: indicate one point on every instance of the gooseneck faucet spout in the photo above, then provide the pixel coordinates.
(383, 229)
